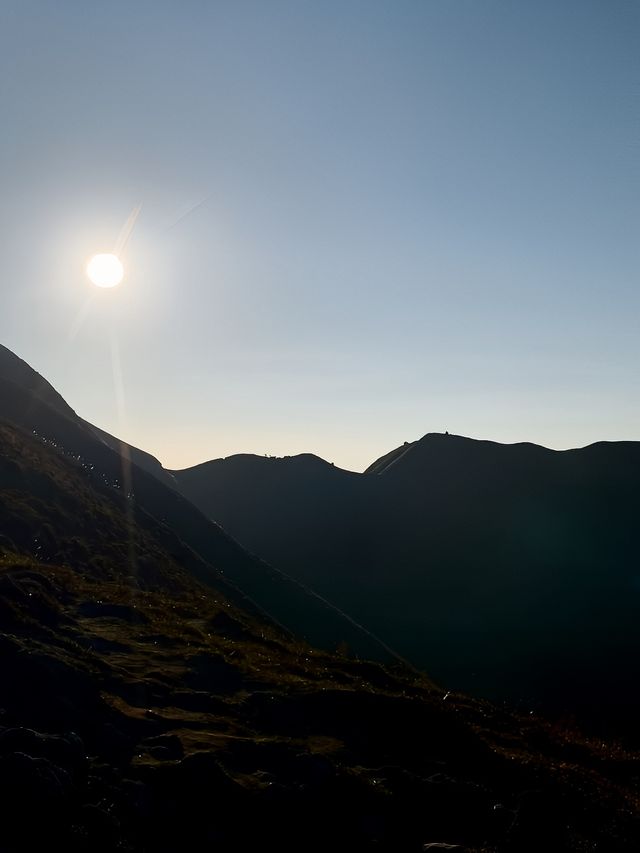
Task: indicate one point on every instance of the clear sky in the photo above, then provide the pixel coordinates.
(361, 221)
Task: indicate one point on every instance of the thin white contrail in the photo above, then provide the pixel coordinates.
(125, 231)
(189, 211)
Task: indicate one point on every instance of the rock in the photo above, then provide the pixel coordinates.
(203, 771)
(160, 753)
(164, 747)
(65, 751)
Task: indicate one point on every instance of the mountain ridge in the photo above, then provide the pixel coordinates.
(289, 602)
(457, 552)
(443, 553)
(144, 709)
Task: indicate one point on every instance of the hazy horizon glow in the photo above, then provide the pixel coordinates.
(355, 222)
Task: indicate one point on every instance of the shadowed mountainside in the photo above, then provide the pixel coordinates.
(28, 401)
(508, 570)
(144, 711)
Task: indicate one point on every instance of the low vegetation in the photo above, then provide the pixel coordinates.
(142, 710)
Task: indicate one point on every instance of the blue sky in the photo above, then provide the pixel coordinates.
(361, 221)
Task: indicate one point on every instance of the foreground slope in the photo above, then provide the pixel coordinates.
(509, 570)
(143, 711)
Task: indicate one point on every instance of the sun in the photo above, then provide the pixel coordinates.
(105, 270)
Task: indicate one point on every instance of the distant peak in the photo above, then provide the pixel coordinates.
(255, 461)
(445, 436)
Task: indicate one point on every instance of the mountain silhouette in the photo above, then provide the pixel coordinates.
(507, 570)
(28, 401)
(147, 704)
(19, 378)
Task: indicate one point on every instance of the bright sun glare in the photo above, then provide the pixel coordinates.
(105, 270)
